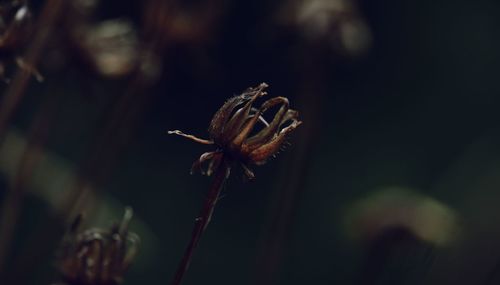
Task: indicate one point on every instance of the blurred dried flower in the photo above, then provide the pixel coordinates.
(15, 31)
(336, 22)
(98, 256)
(186, 23)
(114, 47)
(423, 216)
(109, 47)
(231, 128)
(15, 18)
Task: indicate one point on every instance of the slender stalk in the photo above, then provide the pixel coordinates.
(15, 92)
(13, 201)
(203, 218)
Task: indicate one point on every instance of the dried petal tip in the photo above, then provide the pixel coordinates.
(232, 130)
(191, 137)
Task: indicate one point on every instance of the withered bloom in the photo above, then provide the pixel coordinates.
(16, 25)
(233, 131)
(98, 256)
(109, 48)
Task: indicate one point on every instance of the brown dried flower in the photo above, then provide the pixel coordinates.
(233, 126)
(16, 25)
(98, 256)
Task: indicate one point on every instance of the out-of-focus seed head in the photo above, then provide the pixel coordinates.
(16, 29)
(98, 256)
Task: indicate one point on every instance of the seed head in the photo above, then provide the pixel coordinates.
(98, 256)
(233, 131)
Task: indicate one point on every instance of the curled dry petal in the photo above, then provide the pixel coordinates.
(226, 122)
(213, 159)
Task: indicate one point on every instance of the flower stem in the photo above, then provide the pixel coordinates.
(201, 222)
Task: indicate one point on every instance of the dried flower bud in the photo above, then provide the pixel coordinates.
(98, 256)
(108, 47)
(16, 25)
(336, 23)
(232, 130)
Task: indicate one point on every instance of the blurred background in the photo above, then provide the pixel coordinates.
(393, 178)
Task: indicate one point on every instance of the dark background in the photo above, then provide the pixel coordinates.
(417, 111)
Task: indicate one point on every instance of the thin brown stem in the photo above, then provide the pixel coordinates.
(203, 218)
(15, 92)
(13, 201)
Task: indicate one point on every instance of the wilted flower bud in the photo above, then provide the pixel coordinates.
(233, 131)
(98, 256)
